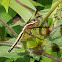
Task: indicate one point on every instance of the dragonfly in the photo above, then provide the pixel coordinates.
(25, 30)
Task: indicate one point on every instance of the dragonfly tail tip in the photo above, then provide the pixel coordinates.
(9, 51)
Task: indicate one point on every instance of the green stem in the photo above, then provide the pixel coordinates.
(49, 13)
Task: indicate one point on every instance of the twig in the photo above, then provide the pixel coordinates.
(6, 25)
(9, 43)
(52, 57)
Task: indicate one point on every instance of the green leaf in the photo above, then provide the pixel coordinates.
(0, 1)
(36, 58)
(49, 21)
(3, 59)
(46, 59)
(12, 40)
(54, 1)
(36, 3)
(18, 23)
(10, 60)
(44, 12)
(28, 3)
(2, 33)
(22, 11)
(31, 42)
(5, 53)
(5, 3)
(56, 37)
(6, 16)
(36, 43)
(15, 53)
(16, 28)
(56, 12)
(46, 3)
(14, 56)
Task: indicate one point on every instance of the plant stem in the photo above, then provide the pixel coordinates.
(52, 57)
(49, 13)
(9, 43)
(6, 25)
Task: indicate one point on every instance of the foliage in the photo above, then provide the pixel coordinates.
(9, 9)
